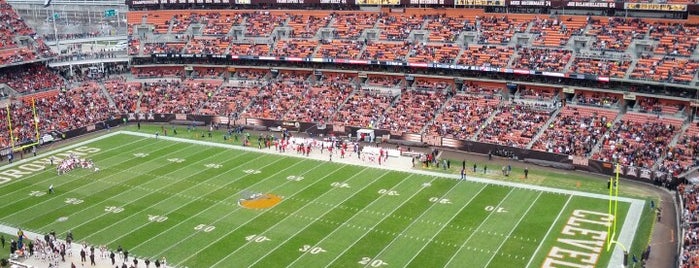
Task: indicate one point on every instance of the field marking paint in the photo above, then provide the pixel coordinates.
(143, 196)
(475, 231)
(325, 213)
(444, 225)
(51, 154)
(372, 227)
(627, 232)
(63, 194)
(182, 205)
(524, 215)
(223, 201)
(543, 239)
(233, 230)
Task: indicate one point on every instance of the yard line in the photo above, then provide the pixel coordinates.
(376, 257)
(543, 239)
(329, 191)
(69, 147)
(143, 196)
(49, 169)
(445, 224)
(370, 228)
(34, 185)
(479, 227)
(181, 206)
(223, 201)
(85, 185)
(495, 252)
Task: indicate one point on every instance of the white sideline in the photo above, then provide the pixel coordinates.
(625, 237)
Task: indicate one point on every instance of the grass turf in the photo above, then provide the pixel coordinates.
(179, 200)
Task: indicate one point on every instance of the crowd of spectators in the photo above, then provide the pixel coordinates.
(306, 26)
(602, 67)
(294, 48)
(125, 94)
(593, 98)
(555, 32)
(278, 98)
(689, 214)
(397, 28)
(351, 25)
(261, 23)
(251, 74)
(444, 29)
(486, 56)
(412, 111)
(158, 72)
(339, 49)
(616, 33)
(665, 69)
(424, 53)
(432, 83)
(546, 60)
(207, 45)
(320, 102)
(514, 126)
(31, 78)
(394, 51)
(463, 115)
(384, 80)
(498, 30)
(230, 100)
(575, 131)
(675, 39)
(684, 155)
(364, 109)
(659, 106)
(637, 140)
(178, 97)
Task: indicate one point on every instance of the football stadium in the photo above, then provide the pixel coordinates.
(349, 133)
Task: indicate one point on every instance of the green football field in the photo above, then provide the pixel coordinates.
(181, 200)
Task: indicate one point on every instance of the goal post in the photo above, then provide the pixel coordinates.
(35, 119)
(613, 207)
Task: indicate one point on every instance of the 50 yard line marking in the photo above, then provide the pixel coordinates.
(543, 239)
(479, 227)
(230, 232)
(524, 215)
(181, 206)
(143, 196)
(223, 201)
(84, 185)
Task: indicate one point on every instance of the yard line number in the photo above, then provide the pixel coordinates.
(495, 209)
(204, 228)
(113, 209)
(440, 200)
(295, 178)
(37, 193)
(388, 192)
(252, 171)
(372, 262)
(340, 185)
(312, 249)
(257, 238)
(157, 218)
(73, 201)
